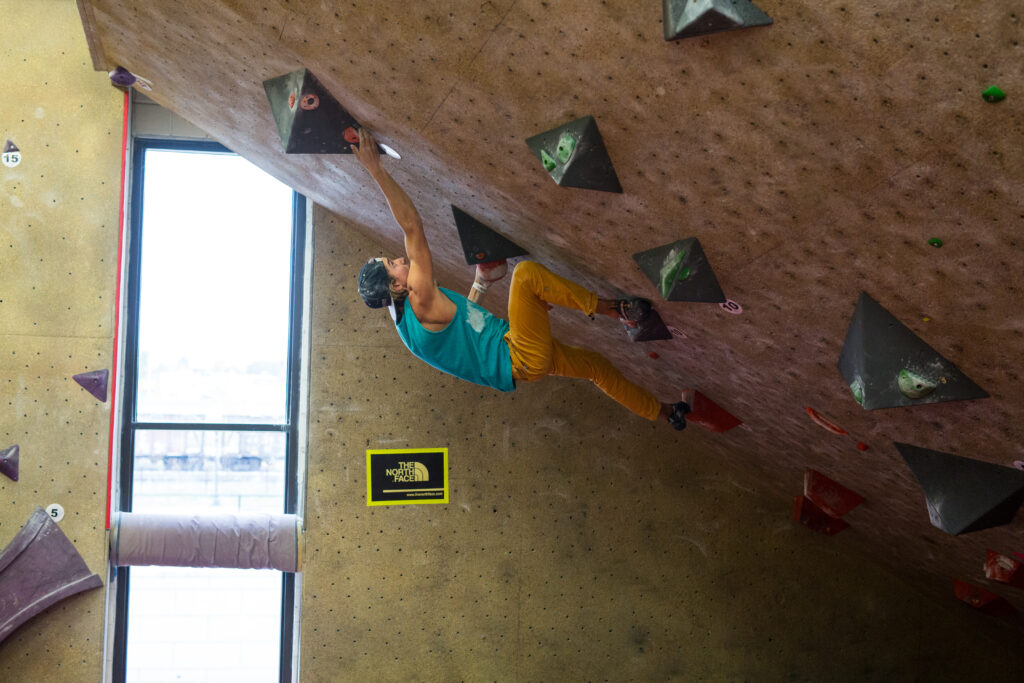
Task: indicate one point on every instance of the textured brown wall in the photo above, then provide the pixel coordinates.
(605, 549)
(58, 254)
(813, 158)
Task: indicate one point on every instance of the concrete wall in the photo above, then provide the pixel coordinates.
(623, 553)
(58, 255)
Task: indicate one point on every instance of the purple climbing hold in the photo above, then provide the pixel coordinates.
(39, 568)
(9, 462)
(122, 76)
(95, 383)
(9, 146)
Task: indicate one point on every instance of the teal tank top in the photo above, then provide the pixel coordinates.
(472, 347)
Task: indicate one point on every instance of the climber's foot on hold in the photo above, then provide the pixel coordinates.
(632, 310)
(675, 414)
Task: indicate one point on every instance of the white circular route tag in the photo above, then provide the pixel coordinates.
(56, 511)
(731, 306)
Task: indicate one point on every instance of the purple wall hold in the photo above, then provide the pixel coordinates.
(39, 568)
(9, 462)
(95, 383)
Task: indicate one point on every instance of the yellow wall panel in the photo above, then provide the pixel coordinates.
(58, 260)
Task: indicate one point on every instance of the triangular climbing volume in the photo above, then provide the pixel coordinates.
(681, 272)
(886, 365)
(9, 462)
(688, 18)
(963, 494)
(309, 119)
(480, 243)
(575, 156)
(94, 382)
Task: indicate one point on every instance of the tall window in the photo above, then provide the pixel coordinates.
(210, 405)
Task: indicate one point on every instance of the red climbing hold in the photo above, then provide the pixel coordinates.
(653, 355)
(351, 135)
(1003, 569)
(707, 413)
(832, 497)
(822, 422)
(981, 599)
(814, 518)
(861, 446)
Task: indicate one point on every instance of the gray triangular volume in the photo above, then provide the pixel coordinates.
(575, 156)
(963, 494)
(480, 243)
(94, 382)
(10, 147)
(9, 462)
(886, 365)
(309, 119)
(681, 272)
(687, 18)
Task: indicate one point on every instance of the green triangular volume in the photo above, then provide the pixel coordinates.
(574, 155)
(886, 365)
(681, 272)
(688, 18)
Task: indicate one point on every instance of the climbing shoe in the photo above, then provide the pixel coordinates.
(677, 418)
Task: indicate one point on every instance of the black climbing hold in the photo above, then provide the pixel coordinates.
(575, 156)
(688, 18)
(681, 272)
(886, 365)
(480, 243)
(651, 328)
(305, 130)
(964, 494)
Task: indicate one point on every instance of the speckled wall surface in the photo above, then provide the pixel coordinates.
(612, 550)
(814, 158)
(58, 254)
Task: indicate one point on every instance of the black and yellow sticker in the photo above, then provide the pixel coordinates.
(407, 476)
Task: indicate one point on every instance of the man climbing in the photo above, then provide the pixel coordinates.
(457, 336)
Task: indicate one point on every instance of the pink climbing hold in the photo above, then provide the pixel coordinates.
(94, 382)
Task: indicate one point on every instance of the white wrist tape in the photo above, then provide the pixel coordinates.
(480, 287)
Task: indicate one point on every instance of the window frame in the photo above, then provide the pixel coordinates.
(121, 576)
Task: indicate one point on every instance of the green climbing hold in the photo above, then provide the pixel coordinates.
(993, 94)
(546, 159)
(857, 387)
(566, 146)
(684, 273)
(670, 270)
(913, 385)
(935, 242)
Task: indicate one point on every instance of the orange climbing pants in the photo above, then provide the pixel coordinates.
(535, 354)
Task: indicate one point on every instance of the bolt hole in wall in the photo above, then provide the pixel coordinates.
(209, 404)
